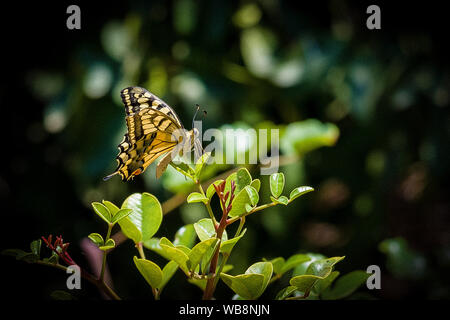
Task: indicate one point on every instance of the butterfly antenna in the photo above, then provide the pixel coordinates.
(110, 176)
(195, 115)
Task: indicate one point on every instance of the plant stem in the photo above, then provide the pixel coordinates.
(256, 209)
(208, 205)
(140, 249)
(211, 283)
(97, 282)
(241, 224)
(105, 253)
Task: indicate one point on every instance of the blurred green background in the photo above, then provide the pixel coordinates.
(381, 191)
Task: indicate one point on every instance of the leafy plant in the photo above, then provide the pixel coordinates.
(204, 263)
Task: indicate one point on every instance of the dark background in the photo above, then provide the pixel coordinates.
(386, 178)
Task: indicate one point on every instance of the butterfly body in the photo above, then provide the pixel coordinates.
(153, 129)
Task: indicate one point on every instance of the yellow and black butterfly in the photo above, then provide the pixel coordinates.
(153, 130)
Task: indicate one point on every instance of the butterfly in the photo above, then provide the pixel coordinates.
(154, 129)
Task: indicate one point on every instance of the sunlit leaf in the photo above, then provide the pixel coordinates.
(150, 271)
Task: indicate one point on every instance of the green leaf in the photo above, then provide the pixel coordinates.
(297, 192)
(256, 184)
(102, 211)
(150, 271)
(294, 261)
(317, 270)
(185, 236)
(109, 244)
(245, 200)
(111, 207)
(167, 273)
(282, 200)
(97, 239)
(199, 250)
(286, 292)
(141, 224)
(197, 197)
(243, 179)
(201, 162)
(211, 190)
(205, 230)
(36, 247)
(323, 284)
(346, 285)
(305, 136)
(184, 169)
(175, 253)
(251, 284)
(122, 213)
(277, 264)
(276, 184)
(228, 245)
(303, 266)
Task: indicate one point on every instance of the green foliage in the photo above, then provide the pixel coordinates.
(252, 283)
(145, 218)
(140, 217)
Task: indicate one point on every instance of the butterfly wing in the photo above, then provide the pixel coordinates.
(152, 125)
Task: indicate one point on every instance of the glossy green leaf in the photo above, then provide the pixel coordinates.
(184, 169)
(111, 207)
(293, 262)
(281, 200)
(303, 266)
(185, 236)
(323, 284)
(251, 284)
(297, 192)
(256, 184)
(97, 239)
(228, 245)
(276, 184)
(317, 270)
(167, 273)
(150, 271)
(245, 200)
(243, 179)
(102, 211)
(144, 221)
(285, 292)
(122, 213)
(205, 230)
(277, 264)
(211, 190)
(199, 250)
(197, 197)
(201, 162)
(176, 254)
(109, 244)
(346, 285)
